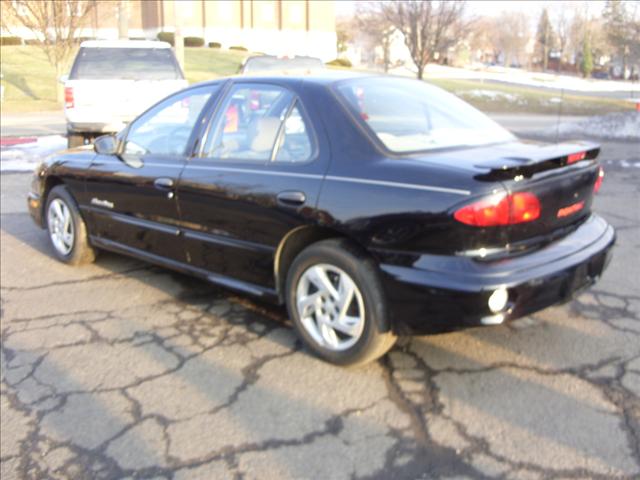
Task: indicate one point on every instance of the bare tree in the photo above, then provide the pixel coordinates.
(621, 26)
(481, 39)
(545, 37)
(510, 35)
(377, 28)
(428, 26)
(54, 22)
(344, 33)
(562, 22)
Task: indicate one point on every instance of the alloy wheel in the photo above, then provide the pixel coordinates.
(330, 307)
(60, 225)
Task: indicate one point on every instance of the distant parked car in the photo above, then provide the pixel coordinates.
(271, 63)
(111, 82)
(370, 206)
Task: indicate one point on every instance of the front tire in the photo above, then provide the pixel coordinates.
(67, 230)
(336, 302)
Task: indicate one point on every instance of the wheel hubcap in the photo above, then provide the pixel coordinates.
(60, 226)
(330, 307)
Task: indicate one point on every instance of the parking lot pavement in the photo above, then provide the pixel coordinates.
(121, 369)
(33, 124)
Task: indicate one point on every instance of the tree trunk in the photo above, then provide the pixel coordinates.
(177, 36)
(59, 85)
(385, 55)
(420, 71)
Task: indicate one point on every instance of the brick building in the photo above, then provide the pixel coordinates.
(286, 27)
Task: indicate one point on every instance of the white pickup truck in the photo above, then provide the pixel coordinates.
(112, 82)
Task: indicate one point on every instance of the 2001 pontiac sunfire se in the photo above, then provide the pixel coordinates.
(371, 206)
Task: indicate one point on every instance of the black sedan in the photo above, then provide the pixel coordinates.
(370, 206)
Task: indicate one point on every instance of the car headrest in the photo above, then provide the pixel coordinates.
(266, 129)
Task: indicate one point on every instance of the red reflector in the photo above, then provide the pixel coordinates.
(500, 210)
(576, 157)
(570, 210)
(68, 97)
(599, 179)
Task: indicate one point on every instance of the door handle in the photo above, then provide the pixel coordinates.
(163, 183)
(291, 198)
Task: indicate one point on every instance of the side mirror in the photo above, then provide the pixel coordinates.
(106, 145)
(63, 79)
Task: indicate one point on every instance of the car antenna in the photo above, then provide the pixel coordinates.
(559, 114)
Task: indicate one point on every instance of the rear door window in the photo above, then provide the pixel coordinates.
(125, 64)
(296, 141)
(249, 123)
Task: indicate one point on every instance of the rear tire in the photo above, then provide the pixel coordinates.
(67, 231)
(344, 321)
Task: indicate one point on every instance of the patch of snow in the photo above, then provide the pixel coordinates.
(630, 164)
(490, 94)
(534, 79)
(614, 126)
(25, 157)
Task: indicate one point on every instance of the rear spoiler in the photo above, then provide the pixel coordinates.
(544, 158)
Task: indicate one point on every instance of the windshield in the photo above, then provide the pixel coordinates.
(410, 115)
(270, 63)
(125, 64)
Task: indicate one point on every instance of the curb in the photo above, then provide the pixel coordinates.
(10, 141)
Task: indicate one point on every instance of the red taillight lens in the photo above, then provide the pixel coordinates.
(525, 207)
(68, 97)
(500, 210)
(576, 157)
(485, 213)
(599, 179)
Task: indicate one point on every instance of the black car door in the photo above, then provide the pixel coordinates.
(133, 205)
(256, 178)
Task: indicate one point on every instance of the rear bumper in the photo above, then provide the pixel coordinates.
(442, 293)
(95, 127)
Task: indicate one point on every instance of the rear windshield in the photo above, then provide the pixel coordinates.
(125, 64)
(410, 115)
(271, 63)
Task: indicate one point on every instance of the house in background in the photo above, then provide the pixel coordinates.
(279, 27)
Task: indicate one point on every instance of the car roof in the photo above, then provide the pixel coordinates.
(320, 77)
(281, 57)
(124, 44)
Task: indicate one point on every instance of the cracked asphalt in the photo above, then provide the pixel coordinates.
(124, 370)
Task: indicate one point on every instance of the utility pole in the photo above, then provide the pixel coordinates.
(177, 36)
(123, 19)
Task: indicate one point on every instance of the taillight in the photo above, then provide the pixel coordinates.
(525, 207)
(576, 157)
(68, 97)
(500, 210)
(598, 184)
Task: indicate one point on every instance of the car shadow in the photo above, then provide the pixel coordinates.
(194, 294)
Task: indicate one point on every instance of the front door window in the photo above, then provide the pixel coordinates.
(165, 130)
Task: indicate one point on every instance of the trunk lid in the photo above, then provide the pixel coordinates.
(561, 176)
(565, 194)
